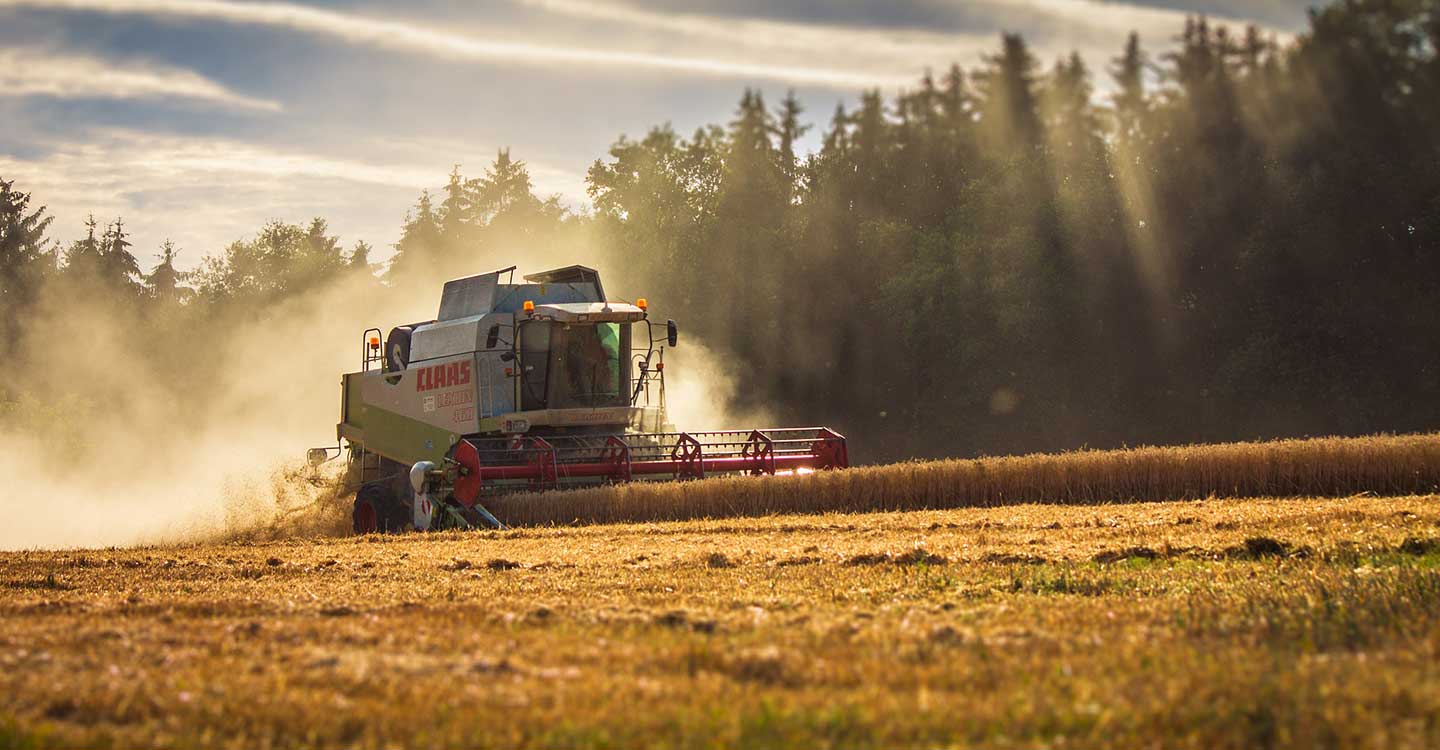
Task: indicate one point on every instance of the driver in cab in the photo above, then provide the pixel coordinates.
(590, 361)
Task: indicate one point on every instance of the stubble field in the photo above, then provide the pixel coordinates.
(1212, 623)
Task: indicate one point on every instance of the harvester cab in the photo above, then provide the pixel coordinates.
(540, 385)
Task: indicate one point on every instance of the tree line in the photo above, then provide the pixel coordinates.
(1232, 239)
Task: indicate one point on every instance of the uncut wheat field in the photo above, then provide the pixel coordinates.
(1199, 618)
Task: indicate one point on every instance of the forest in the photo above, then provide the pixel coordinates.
(1231, 238)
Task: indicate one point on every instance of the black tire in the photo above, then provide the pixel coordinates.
(379, 510)
(397, 349)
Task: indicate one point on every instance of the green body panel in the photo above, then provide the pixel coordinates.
(394, 436)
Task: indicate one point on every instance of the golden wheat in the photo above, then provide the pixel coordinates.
(1304, 622)
(1321, 467)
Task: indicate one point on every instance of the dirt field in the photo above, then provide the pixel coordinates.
(1200, 624)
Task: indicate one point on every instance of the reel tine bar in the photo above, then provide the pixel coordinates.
(689, 458)
(530, 463)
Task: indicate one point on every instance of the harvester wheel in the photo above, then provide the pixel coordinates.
(397, 349)
(378, 509)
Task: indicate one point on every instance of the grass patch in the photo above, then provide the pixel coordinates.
(15, 737)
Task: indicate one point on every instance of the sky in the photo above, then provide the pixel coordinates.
(200, 120)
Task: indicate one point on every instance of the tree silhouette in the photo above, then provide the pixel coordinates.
(24, 254)
(163, 283)
(118, 266)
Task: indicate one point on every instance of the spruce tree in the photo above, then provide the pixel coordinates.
(23, 246)
(789, 130)
(25, 262)
(119, 267)
(505, 187)
(1129, 99)
(84, 258)
(320, 256)
(1010, 120)
(418, 250)
(359, 260)
(162, 284)
(456, 213)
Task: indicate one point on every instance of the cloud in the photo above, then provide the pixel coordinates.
(66, 75)
(978, 20)
(890, 56)
(977, 15)
(1289, 15)
(871, 39)
(411, 38)
(800, 52)
(1114, 16)
(206, 192)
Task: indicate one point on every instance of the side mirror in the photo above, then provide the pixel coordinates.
(493, 337)
(507, 357)
(317, 456)
(672, 332)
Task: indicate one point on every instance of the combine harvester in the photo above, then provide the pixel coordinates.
(529, 387)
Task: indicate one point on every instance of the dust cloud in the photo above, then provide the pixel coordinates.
(134, 432)
(703, 391)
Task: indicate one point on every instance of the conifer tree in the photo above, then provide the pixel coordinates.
(419, 247)
(456, 212)
(162, 284)
(1129, 99)
(319, 257)
(504, 188)
(119, 267)
(1010, 120)
(359, 260)
(84, 258)
(26, 261)
(23, 246)
(790, 130)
